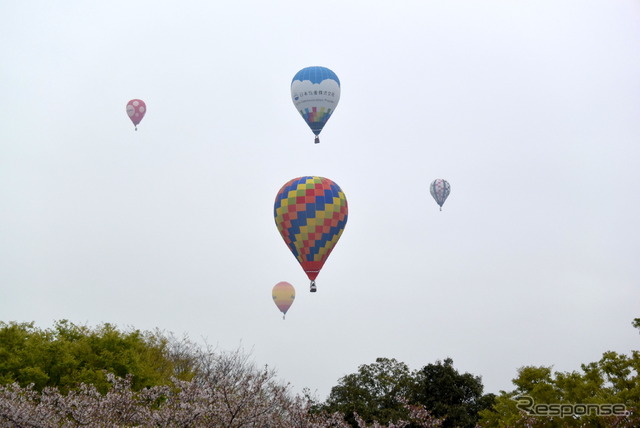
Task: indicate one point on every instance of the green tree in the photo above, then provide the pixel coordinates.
(68, 354)
(380, 391)
(373, 392)
(614, 379)
(450, 395)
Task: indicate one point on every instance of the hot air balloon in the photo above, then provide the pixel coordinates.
(440, 190)
(136, 110)
(283, 296)
(315, 92)
(311, 213)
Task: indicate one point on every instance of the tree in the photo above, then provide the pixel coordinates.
(68, 355)
(227, 390)
(450, 395)
(613, 380)
(381, 392)
(372, 392)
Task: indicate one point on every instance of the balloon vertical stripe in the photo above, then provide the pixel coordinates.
(440, 190)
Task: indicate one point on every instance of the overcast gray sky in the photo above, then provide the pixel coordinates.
(530, 109)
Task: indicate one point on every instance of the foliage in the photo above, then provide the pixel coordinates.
(614, 379)
(372, 392)
(227, 391)
(448, 394)
(72, 376)
(382, 390)
(68, 355)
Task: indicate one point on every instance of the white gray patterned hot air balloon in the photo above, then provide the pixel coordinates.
(440, 190)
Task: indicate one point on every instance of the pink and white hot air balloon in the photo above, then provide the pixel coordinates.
(136, 110)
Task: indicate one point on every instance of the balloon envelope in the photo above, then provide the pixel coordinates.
(311, 213)
(315, 91)
(283, 295)
(136, 110)
(440, 190)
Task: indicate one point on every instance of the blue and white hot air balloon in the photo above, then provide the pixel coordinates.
(315, 92)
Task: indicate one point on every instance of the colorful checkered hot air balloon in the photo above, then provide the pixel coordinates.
(440, 190)
(136, 110)
(311, 213)
(315, 92)
(283, 295)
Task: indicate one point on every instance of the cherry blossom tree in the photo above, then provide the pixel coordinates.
(227, 391)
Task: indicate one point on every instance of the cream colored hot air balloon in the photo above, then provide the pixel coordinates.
(283, 296)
